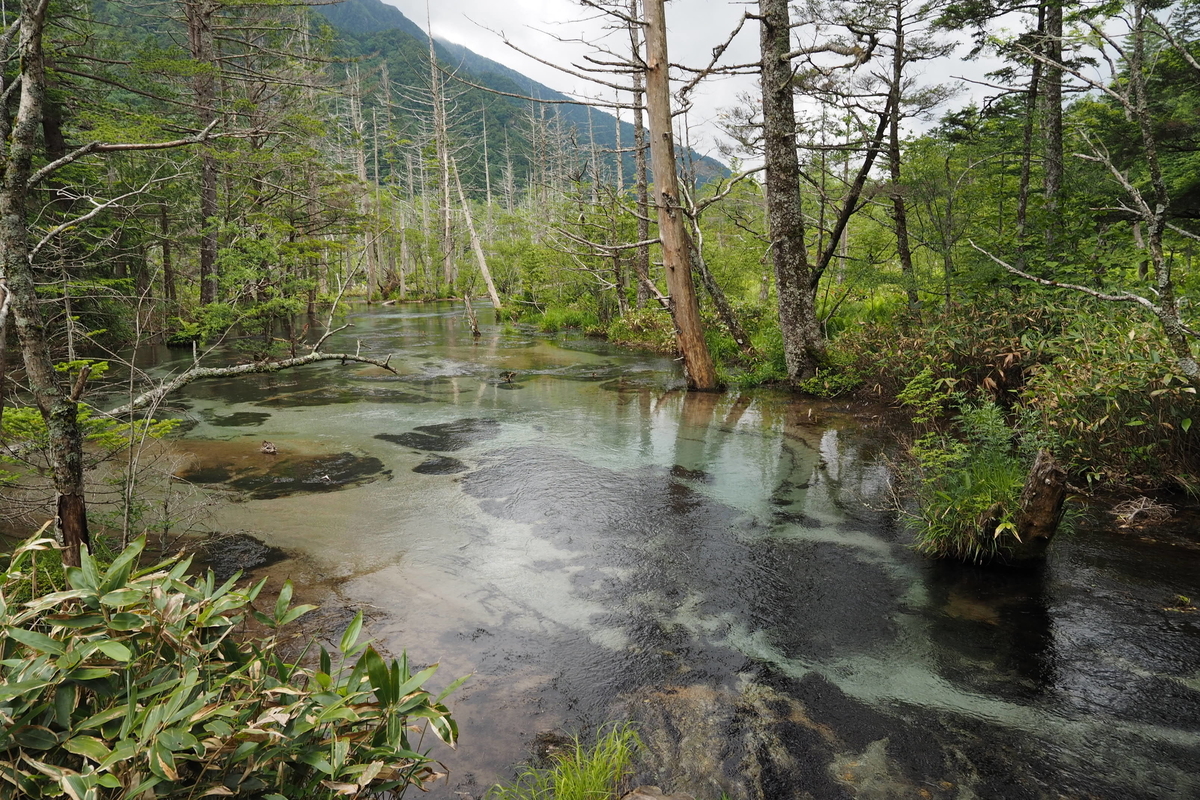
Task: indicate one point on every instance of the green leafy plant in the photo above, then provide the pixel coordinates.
(968, 481)
(648, 328)
(581, 773)
(104, 435)
(130, 683)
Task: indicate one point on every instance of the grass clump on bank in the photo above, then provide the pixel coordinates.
(553, 319)
(582, 773)
(967, 481)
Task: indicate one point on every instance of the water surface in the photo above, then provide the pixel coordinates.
(558, 519)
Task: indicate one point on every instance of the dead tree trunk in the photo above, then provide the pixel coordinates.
(475, 243)
(1042, 500)
(641, 261)
(685, 309)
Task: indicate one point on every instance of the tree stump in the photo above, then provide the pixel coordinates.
(1040, 509)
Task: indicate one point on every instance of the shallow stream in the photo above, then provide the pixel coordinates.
(557, 518)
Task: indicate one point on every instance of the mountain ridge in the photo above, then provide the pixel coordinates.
(368, 19)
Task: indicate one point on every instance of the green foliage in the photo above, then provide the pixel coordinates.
(1115, 404)
(45, 573)
(582, 773)
(839, 375)
(967, 486)
(648, 328)
(557, 318)
(129, 683)
(108, 435)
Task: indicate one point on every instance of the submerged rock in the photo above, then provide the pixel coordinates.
(759, 743)
(243, 466)
(446, 436)
(440, 465)
(229, 553)
(654, 793)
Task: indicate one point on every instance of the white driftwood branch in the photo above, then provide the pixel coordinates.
(260, 367)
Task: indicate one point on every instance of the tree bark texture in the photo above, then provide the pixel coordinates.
(899, 207)
(51, 390)
(1040, 507)
(795, 279)
(1053, 167)
(685, 308)
(199, 16)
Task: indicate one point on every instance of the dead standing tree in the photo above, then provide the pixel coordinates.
(655, 66)
(672, 230)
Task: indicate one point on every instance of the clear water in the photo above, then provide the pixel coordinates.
(591, 544)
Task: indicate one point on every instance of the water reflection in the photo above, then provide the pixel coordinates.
(721, 567)
(993, 628)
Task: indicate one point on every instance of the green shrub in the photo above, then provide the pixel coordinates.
(649, 328)
(130, 684)
(1116, 404)
(594, 773)
(967, 486)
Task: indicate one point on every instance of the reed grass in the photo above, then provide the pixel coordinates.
(581, 773)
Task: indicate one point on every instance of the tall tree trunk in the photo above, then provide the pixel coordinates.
(168, 266)
(641, 260)
(359, 123)
(441, 141)
(1031, 105)
(795, 279)
(685, 309)
(51, 390)
(1154, 211)
(1054, 121)
(199, 15)
(899, 207)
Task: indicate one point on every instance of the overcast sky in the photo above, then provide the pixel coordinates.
(695, 27)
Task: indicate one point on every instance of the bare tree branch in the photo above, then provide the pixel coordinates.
(98, 207)
(261, 367)
(100, 147)
(1123, 297)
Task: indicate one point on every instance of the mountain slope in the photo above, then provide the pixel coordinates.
(381, 31)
